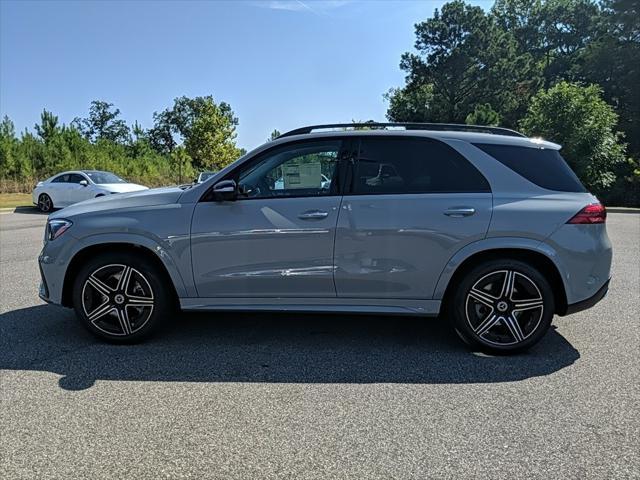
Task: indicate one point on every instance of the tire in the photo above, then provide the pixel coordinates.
(122, 310)
(45, 205)
(502, 306)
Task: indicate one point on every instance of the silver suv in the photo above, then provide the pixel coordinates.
(483, 224)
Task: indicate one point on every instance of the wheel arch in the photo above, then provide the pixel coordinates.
(533, 257)
(92, 250)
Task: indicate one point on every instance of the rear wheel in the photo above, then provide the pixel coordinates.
(121, 297)
(503, 306)
(45, 204)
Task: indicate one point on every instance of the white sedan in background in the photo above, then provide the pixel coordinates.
(68, 188)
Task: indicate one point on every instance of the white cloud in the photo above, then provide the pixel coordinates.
(313, 6)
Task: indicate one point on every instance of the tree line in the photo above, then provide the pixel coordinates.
(193, 134)
(564, 70)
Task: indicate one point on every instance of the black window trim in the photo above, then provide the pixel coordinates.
(343, 155)
(356, 157)
(69, 174)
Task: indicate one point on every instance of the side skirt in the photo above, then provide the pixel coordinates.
(393, 306)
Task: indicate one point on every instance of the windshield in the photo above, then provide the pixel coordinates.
(104, 177)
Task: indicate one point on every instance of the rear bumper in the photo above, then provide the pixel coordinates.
(589, 302)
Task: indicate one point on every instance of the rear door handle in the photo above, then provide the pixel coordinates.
(313, 215)
(459, 212)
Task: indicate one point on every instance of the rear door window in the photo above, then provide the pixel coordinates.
(388, 165)
(543, 166)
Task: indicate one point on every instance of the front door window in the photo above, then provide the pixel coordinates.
(304, 170)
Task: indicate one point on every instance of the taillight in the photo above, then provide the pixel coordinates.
(594, 213)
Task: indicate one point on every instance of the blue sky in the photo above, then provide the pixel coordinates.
(280, 64)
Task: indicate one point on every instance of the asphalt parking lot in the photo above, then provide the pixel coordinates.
(314, 396)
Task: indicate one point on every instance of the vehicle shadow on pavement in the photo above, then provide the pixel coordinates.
(30, 210)
(261, 347)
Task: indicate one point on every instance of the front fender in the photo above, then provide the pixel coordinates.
(183, 289)
(495, 243)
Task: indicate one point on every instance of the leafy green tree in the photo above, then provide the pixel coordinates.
(413, 103)
(29, 156)
(207, 131)
(275, 134)
(161, 136)
(79, 147)
(48, 127)
(553, 32)
(566, 27)
(483, 114)
(520, 17)
(7, 147)
(103, 123)
(139, 145)
(612, 60)
(181, 162)
(7, 129)
(464, 58)
(211, 139)
(584, 124)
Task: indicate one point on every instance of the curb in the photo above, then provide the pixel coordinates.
(622, 210)
(7, 210)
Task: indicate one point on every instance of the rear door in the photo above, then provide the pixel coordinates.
(412, 203)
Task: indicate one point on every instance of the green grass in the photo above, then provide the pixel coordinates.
(11, 200)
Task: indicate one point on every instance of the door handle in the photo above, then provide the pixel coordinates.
(459, 212)
(313, 215)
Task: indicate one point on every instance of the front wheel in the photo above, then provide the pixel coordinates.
(503, 306)
(121, 297)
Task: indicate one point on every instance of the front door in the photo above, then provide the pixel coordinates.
(414, 202)
(277, 239)
(77, 192)
(58, 189)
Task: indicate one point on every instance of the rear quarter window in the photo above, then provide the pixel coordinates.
(542, 166)
(61, 179)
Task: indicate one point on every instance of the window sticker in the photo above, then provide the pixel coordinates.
(302, 175)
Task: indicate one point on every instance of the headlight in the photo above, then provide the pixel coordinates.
(57, 227)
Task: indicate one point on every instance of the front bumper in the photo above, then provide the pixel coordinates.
(589, 302)
(43, 291)
(52, 263)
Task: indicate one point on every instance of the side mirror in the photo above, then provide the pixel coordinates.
(225, 190)
(84, 183)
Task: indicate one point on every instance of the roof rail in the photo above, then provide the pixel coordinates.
(407, 126)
